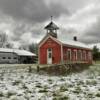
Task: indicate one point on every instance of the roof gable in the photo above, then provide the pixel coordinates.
(46, 38)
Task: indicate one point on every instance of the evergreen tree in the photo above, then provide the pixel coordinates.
(33, 48)
(96, 53)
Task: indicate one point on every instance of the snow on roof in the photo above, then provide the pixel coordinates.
(23, 52)
(75, 43)
(67, 42)
(5, 50)
(18, 52)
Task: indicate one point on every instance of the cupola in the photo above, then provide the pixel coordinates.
(52, 28)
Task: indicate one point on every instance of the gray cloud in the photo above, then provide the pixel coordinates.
(34, 10)
(29, 16)
(92, 33)
(26, 14)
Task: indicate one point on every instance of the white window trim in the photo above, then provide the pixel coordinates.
(89, 55)
(76, 54)
(84, 52)
(70, 54)
(80, 51)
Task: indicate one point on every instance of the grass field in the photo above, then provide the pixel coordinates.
(17, 83)
(97, 62)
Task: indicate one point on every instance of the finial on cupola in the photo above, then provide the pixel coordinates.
(52, 28)
(51, 18)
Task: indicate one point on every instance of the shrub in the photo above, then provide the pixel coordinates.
(63, 88)
(50, 81)
(93, 82)
(38, 85)
(10, 93)
(77, 90)
(62, 79)
(24, 86)
(80, 83)
(43, 90)
(61, 98)
(1, 94)
(98, 94)
(16, 82)
(90, 95)
(56, 93)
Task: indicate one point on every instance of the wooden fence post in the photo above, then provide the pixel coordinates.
(38, 68)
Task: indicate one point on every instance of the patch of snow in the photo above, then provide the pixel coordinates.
(17, 83)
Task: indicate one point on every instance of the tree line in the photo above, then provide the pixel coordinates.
(96, 53)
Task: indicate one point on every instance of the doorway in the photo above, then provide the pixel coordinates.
(49, 56)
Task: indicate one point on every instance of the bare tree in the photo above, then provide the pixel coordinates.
(4, 41)
(23, 47)
(9, 45)
(33, 48)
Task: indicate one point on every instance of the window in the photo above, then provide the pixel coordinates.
(3, 57)
(9, 57)
(49, 49)
(84, 55)
(75, 54)
(15, 57)
(89, 55)
(69, 54)
(79, 55)
(49, 53)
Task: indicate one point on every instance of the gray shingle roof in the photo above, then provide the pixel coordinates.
(52, 26)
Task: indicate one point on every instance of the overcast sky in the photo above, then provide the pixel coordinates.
(24, 20)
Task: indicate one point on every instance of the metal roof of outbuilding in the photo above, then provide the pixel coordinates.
(17, 51)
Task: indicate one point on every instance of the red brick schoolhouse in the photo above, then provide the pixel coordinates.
(54, 51)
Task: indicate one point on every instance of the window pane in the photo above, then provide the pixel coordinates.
(69, 55)
(9, 57)
(4, 57)
(49, 49)
(50, 55)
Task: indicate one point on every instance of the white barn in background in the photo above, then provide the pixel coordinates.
(11, 56)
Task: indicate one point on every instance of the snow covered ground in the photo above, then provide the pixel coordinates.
(19, 84)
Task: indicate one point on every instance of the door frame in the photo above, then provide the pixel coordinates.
(49, 56)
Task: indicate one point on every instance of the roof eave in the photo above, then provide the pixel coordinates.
(76, 46)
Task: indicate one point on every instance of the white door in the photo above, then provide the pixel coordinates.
(49, 56)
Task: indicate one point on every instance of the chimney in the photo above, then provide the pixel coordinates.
(75, 38)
